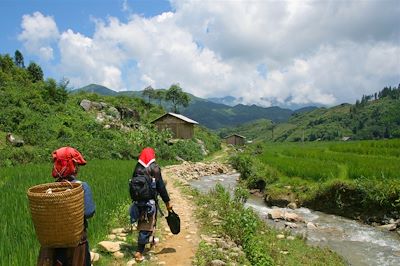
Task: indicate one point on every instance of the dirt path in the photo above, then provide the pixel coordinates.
(178, 249)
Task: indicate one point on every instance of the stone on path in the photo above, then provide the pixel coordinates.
(123, 238)
(111, 236)
(118, 255)
(131, 262)
(94, 256)
(117, 230)
(110, 246)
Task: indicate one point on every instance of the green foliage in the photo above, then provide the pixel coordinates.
(47, 117)
(215, 116)
(108, 181)
(250, 130)
(187, 150)
(35, 72)
(256, 174)
(244, 227)
(56, 93)
(354, 179)
(177, 97)
(243, 164)
(241, 194)
(148, 92)
(19, 59)
(211, 141)
(375, 117)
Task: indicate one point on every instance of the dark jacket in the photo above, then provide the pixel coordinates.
(154, 171)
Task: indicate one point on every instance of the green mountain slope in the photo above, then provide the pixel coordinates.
(373, 119)
(95, 88)
(214, 115)
(210, 114)
(45, 116)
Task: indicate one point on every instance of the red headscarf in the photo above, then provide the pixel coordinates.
(65, 159)
(147, 156)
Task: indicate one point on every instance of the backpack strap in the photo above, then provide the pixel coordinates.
(155, 192)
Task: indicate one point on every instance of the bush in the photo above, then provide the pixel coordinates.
(256, 174)
(242, 163)
(187, 150)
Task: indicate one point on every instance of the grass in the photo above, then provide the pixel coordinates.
(219, 156)
(355, 179)
(108, 181)
(260, 243)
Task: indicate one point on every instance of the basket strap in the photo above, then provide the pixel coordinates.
(59, 173)
(69, 183)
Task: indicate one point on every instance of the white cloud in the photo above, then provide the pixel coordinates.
(323, 52)
(84, 61)
(38, 33)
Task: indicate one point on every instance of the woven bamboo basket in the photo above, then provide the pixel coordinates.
(57, 216)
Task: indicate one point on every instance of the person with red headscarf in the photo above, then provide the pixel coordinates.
(66, 166)
(145, 212)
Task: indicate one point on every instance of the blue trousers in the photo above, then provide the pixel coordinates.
(143, 239)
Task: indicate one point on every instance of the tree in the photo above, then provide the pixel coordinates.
(19, 59)
(35, 72)
(148, 92)
(177, 97)
(160, 96)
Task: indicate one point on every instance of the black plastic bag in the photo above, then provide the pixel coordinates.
(174, 222)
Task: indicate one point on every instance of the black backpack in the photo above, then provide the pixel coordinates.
(140, 188)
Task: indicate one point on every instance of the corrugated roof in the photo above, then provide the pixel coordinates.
(235, 135)
(182, 117)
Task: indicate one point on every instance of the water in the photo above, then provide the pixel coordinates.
(357, 243)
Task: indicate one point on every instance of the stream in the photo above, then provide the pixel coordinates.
(357, 243)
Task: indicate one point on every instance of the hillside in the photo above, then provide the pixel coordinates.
(43, 116)
(374, 119)
(216, 116)
(208, 113)
(95, 88)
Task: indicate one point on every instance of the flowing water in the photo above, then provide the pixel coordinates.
(357, 243)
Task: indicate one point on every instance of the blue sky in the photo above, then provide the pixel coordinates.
(69, 14)
(289, 53)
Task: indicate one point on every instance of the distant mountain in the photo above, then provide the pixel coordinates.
(373, 119)
(95, 88)
(227, 100)
(305, 109)
(210, 113)
(214, 115)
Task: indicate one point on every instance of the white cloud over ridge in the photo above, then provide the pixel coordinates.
(321, 52)
(38, 33)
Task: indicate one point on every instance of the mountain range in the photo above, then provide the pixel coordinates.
(213, 113)
(375, 116)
